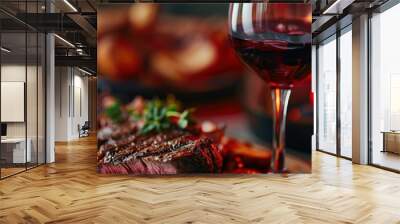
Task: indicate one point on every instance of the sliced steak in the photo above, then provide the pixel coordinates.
(171, 152)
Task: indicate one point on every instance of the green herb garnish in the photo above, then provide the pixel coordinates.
(159, 116)
(114, 112)
(155, 116)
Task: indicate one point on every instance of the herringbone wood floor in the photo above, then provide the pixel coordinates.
(70, 191)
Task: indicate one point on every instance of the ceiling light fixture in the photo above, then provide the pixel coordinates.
(65, 41)
(84, 71)
(5, 50)
(337, 7)
(80, 51)
(70, 5)
(329, 9)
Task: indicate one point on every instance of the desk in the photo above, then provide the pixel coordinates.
(13, 150)
(391, 141)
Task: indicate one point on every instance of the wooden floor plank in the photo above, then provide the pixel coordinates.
(70, 191)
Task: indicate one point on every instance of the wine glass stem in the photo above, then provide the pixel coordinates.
(280, 99)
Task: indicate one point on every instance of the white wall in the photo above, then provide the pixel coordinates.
(71, 94)
(80, 102)
(11, 73)
(61, 103)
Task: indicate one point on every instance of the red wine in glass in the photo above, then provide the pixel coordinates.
(274, 39)
(279, 63)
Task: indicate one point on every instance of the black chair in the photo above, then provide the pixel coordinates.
(84, 130)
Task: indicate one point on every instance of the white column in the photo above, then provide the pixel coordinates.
(360, 90)
(50, 92)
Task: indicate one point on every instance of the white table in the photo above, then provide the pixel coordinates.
(17, 145)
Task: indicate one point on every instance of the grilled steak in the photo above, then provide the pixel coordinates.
(169, 152)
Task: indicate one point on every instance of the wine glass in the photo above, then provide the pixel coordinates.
(274, 40)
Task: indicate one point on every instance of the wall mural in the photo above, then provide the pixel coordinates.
(204, 88)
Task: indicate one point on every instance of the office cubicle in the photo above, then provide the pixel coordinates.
(22, 90)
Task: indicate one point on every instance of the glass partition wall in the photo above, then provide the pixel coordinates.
(334, 94)
(335, 124)
(327, 95)
(385, 89)
(22, 98)
(14, 156)
(345, 92)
